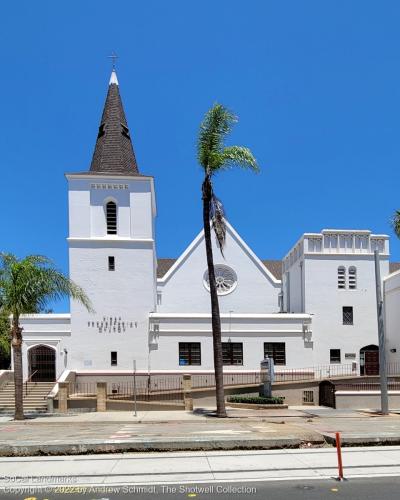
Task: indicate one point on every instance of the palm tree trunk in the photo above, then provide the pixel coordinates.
(215, 317)
(18, 373)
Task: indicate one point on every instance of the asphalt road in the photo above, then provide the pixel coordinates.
(355, 489)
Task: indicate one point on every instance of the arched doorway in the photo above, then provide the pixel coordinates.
(369, 360)
(42, 364)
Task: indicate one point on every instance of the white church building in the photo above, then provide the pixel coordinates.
(316, 307)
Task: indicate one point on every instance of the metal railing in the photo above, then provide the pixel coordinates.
(203, 381)
(366, 386)
(161, 384)
(148, 388)
(316, 372)
(27, 380)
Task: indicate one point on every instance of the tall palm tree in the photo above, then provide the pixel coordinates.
(396, 223)
(5, 342)
(27, 285)
(215, 157)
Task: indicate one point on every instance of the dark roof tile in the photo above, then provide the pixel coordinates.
(274, 267)
(113, 153)
(163, 266)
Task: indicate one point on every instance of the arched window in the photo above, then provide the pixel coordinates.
(111, 217)
(352, 278)
(341, 277)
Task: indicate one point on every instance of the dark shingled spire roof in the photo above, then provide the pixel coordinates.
(113, 153)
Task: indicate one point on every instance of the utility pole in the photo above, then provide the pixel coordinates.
(381, 335)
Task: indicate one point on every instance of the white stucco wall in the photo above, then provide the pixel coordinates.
(127, 295)
(51, 330)
(325, 301)
(250, 329)
(391, 289)
(322, 254)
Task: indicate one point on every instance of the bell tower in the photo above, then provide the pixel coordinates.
(112, 249)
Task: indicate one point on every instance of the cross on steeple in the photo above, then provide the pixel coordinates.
(114, 58)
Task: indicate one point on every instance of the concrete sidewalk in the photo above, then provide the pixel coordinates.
(113, 432)
(198, 467)
(199, 414)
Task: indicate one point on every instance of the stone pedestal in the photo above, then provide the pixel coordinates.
(63, 388)
(101, 396)
(187, 392)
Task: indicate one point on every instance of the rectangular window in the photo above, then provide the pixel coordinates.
(189, 353)
(347, 315)
(335, 355)
(114, 359)
(232, 353)
(276, 351)
(111, 263)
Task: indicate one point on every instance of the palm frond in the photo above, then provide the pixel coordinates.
(240, 156)
(218, 221)
(216, 125)
(395, 223)
(29, 284)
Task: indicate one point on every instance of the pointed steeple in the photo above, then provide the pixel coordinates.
(113, 153)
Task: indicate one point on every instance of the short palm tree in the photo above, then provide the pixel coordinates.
(215, 157)
(396, 223)
(27, 285)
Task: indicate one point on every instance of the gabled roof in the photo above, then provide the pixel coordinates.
(273, 266)
(171, 265)
(113, 153)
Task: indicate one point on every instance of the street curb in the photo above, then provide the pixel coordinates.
(115, 446)
(363, 440)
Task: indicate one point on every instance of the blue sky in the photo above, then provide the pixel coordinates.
(316, 86)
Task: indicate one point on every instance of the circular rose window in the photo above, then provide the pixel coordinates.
(225, 278)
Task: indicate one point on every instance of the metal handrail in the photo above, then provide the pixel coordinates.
(27, 380)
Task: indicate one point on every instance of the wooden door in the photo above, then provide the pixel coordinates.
(371, 363)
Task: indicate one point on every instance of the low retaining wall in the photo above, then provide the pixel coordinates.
(90, 404)
(250, 406)
(5, 377)
(359, 400)
(294, 392)
(143, 406)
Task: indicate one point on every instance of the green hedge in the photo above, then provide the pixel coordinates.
(256, 400)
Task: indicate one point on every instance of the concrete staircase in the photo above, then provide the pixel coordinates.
(35, 397)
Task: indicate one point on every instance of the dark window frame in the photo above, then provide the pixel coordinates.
(229, 355)
(341, 277)
(348, 315)
(111, 263)
(190, 347)
(335, 356)
(276, 351)
(111, 217)
(352, 278)
(114, 358)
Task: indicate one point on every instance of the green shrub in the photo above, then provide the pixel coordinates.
(256, 400)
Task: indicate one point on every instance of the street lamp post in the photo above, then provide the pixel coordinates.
(381, 335)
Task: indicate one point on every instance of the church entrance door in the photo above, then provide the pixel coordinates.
(42, 364)
(369, 360)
